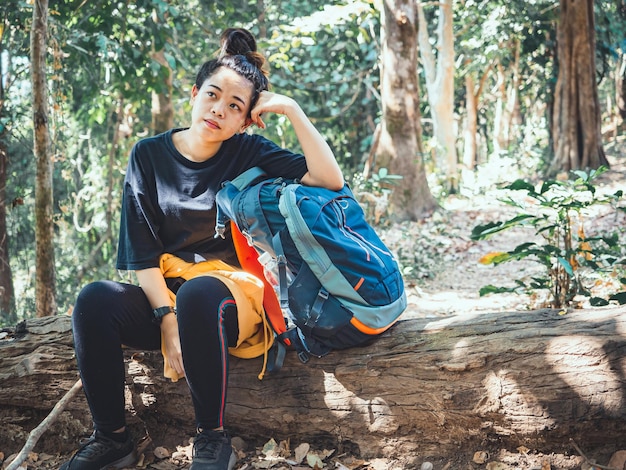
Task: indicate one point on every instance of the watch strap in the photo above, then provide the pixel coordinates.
(160, 312)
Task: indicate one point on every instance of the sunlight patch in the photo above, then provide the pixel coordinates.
(580, 361)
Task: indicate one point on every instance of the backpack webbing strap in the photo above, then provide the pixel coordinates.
(316, 309)
(281, 263)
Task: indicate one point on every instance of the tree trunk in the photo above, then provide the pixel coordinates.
(6, 278)
(472, 97)
(471, 125)
(429, 387)
(577, 116)
(620, 87)
(507, 101)
(162, 108)
(398, 144)
(439, 75)
(45, 278)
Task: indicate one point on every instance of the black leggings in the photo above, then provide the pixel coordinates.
(110, 314)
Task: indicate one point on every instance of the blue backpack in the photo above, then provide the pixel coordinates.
(338, 284)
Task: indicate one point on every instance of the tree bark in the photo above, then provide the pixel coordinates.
(45, 278)
(507, 100)
(6, 278)
(428, 387)
(576, 123)
(620, 87)
(398, 146)
(162, 108)
(471, 126)
(472, 98)
(439, 73)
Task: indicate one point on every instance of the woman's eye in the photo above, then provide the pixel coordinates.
(235, 106)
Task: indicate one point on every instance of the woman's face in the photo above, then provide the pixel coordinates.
(221, 106)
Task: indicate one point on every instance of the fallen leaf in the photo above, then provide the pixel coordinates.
(301, 451)
(161, 453)
(497, 466)
(618, 460)
(480, 457)
(314, 461)
(270, 448)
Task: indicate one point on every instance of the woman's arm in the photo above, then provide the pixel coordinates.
(323, 169)
(153, 284)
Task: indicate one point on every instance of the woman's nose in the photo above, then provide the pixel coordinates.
(218, 109)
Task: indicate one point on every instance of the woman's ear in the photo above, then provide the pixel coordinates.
(194, 93)
(246, 124)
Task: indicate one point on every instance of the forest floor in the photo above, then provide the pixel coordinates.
(445, 279)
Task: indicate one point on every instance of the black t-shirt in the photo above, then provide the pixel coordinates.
(169, 202)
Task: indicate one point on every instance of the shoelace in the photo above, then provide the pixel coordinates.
(89, 447)
(207, 446)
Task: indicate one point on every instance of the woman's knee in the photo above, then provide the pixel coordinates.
(94, 301)
(200, 289)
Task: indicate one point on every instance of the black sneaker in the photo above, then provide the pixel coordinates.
(101, 453)
(212, 451)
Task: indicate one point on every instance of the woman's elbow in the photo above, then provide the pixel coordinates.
(332, 182)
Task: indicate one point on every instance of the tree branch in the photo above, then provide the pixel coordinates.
(36, 433)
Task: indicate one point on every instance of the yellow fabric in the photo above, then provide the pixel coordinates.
(255, 333)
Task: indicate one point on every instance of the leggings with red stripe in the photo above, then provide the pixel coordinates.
(110, 314)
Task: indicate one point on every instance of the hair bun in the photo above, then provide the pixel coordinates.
(237, 41)
(240, 41)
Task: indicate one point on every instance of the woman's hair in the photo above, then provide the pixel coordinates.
(238, 52)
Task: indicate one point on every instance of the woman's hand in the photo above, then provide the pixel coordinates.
(269, 102)
(320, 159)
(153, 284)
(174, 356)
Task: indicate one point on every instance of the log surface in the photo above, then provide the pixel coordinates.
(427, 387)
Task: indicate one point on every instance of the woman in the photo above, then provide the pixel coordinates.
(168, 212)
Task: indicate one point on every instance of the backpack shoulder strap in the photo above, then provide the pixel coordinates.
(248, 177)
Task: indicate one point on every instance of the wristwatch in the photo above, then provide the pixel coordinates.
(160, 312)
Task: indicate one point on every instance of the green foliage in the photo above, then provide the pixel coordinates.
(328, 61)
(571, 259)
(323, 53)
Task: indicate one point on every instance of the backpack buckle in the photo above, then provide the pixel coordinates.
(303, 356)
(316, 309)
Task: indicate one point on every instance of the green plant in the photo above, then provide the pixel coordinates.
(573, 261)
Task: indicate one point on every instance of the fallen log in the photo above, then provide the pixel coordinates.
(429, 387)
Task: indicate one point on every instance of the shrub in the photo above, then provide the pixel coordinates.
(573, 261)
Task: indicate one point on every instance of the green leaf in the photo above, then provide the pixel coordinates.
(598, 302)
(524, 247)
(566, 264)
(611, 241)
(547, 185)
(620, 297)
(481, 232)
(518, 185)
(171, 60)
(491, 289)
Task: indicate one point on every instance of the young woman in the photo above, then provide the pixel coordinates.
(169, 213)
